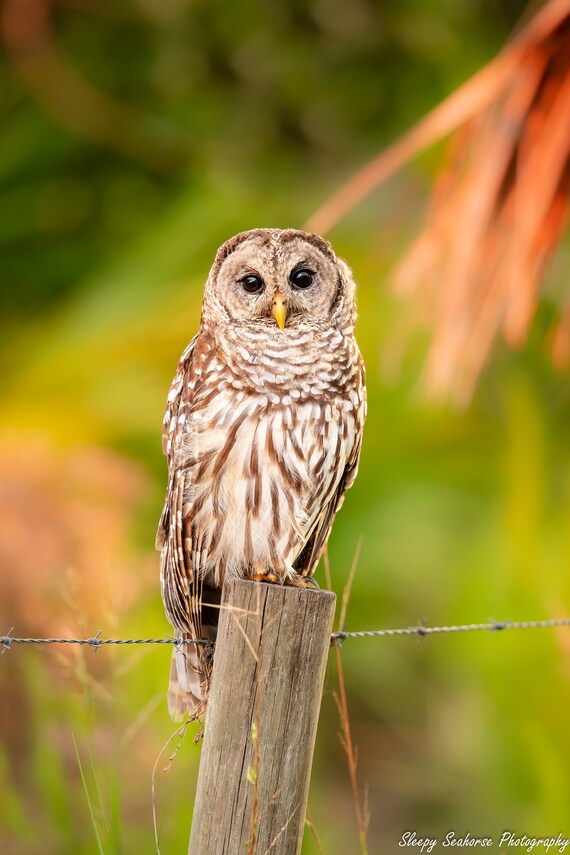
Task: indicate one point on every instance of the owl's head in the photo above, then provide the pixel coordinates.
(279, 278)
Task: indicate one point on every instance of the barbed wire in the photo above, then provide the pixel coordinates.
(6, 641)
(421, 631)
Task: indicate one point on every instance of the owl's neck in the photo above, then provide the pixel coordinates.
(306, 361)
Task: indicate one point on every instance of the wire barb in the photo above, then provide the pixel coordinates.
(339, 637)
(95, 642)
(6, 641)
(499, 625)
(178, 641)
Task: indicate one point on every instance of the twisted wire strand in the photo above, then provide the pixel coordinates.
(421, 631)
(95, 641)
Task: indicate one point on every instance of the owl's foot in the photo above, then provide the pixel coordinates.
(298, 581)
(265, 574)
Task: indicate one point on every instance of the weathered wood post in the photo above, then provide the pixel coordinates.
(261, 721)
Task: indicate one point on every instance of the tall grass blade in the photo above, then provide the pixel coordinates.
(100, 800)
(88, 799)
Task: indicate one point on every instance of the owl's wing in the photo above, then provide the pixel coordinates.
(177, 401)
(176, 571)
(307, 561)
(191, 606)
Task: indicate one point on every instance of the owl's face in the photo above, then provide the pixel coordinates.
(281, 279)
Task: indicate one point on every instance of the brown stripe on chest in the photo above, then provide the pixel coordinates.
(251, 463)
(206, 459)
(227, 447)
(287, 469)
(275, 514)
(247, 542)
(295, 445)
(253, 494)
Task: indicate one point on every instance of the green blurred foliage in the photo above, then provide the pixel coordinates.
(244, 115)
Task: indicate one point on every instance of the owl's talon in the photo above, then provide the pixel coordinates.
(262, 575)
(299, 581)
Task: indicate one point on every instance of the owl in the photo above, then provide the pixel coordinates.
(262, 433)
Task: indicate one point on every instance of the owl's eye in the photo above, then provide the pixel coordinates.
(252, 284)
(302, 278)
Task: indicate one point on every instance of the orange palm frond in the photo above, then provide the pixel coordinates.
(497, 215)
(499, 206)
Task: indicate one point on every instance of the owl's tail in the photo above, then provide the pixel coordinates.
(190, 671)
(185, 693)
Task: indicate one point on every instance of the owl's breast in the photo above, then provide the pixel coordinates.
(295, 365)
(258, 473)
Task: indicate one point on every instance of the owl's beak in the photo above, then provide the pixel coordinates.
(279, 309)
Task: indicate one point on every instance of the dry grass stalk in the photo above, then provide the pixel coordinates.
(313, 829)
(180, 732)
(345, 736)
(253, 774)
(282, 830)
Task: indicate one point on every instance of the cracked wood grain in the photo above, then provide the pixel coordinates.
(261, 724)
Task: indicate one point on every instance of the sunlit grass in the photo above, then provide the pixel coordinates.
(94, 824)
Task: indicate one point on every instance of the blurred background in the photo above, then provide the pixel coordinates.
(136, 137)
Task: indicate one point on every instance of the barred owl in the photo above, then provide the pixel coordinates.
(262, 432)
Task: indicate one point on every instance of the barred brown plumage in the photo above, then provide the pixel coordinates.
(262, 432)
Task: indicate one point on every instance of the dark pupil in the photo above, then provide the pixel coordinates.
(302, 278)
(252, 284)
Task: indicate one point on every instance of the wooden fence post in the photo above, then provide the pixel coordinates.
(261, 721)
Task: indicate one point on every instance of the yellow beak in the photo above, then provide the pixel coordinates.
(279, 309)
